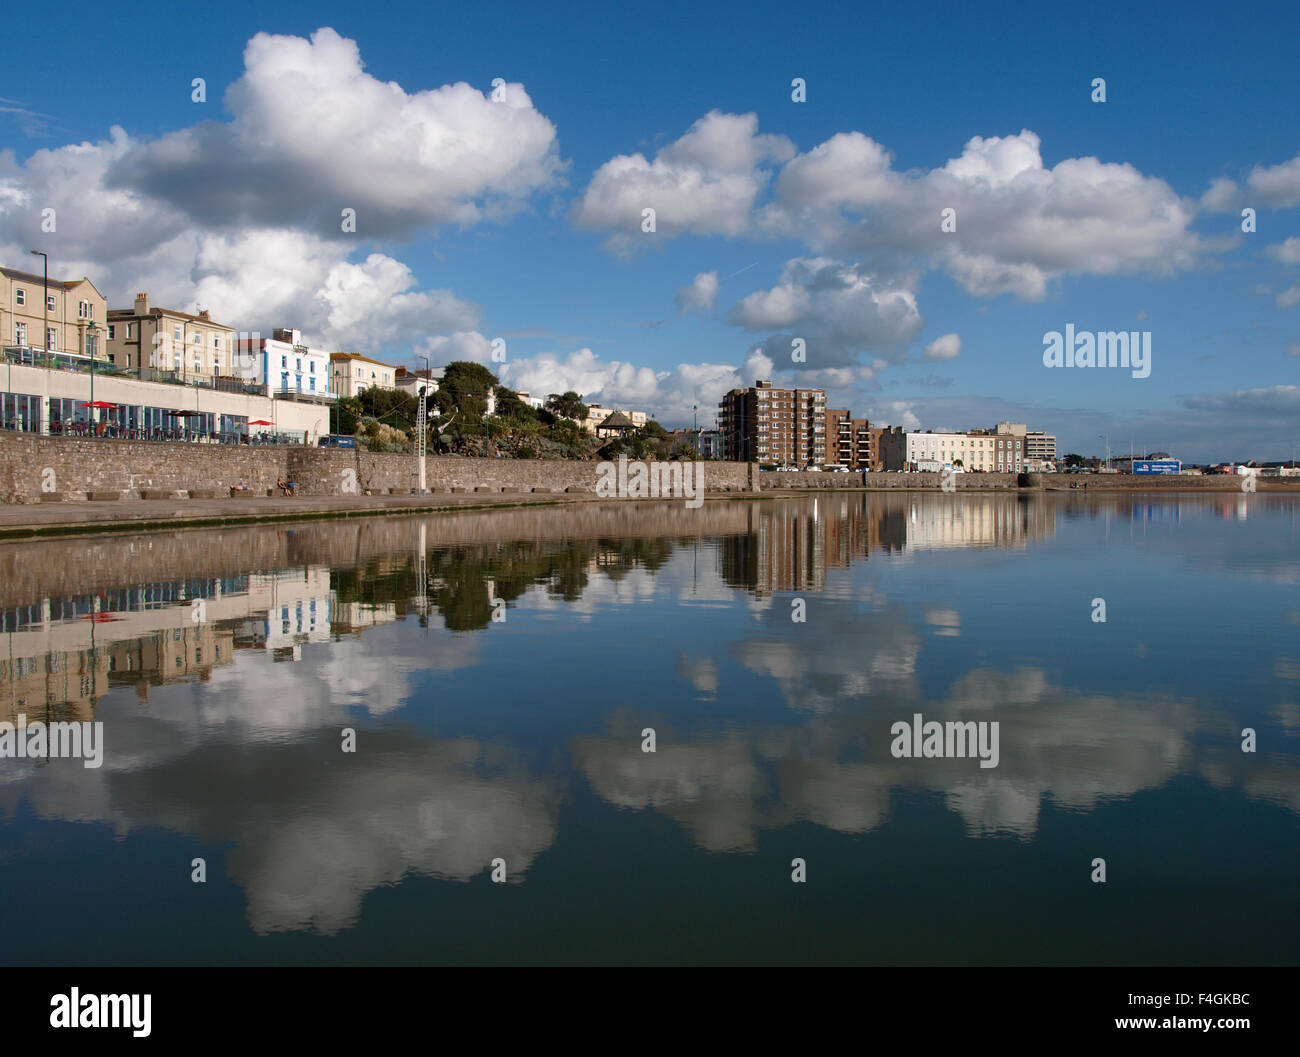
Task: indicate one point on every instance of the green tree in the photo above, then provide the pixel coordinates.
(509, 406)
(1073, 460)
(567, 405)
(465, 386)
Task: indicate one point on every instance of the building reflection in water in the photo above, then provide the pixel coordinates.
(443, 806)
(61, 653)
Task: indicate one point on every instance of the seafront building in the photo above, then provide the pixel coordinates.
(986, 451)
(850, 442)
(353, 374)
(785, 427)
(1040, 445)
(69, 314)
(167, 344)
(598, 416)
(285, 365)
(409, 381)
(794, 428)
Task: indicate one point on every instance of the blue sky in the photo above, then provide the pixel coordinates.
(521, 218)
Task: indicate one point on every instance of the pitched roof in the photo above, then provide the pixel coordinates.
(130, 313)
(618, 420)
(14, 273)
(358, 356)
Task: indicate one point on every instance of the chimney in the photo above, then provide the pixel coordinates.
(203, 314)
(142, 304)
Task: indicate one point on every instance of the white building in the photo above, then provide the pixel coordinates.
(990, 452)
(535, 402)
(409, 381)
(284, 364)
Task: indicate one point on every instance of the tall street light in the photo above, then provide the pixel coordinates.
(91, 328)
(422, 420)
(45, 304)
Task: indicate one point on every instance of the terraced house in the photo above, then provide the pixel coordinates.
(354, 373)
(69, 315)
(167, 344)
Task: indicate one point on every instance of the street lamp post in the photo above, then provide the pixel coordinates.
(422, 421)
(45, 304)
(90, 333)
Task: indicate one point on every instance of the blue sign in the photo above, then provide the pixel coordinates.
(1157, 466)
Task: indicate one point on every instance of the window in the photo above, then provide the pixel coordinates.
(176, 333)
(198, 338)
(216, 341)
(216, 366)
(284, 361)
(20, 333)
(110, 332)
(20, 295)
(49, 302)
(82, 306)
(297, 366)
(130, 330)
(52, 340)
(313, 366)
(313, 385)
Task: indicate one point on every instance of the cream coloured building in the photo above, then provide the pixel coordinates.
(145, 339)
(354, 373)
(989, 451)
(73, 320)
(596, 415)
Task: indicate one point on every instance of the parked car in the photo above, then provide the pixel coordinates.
(335, 440)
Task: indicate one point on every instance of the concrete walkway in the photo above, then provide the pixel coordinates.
(84, 517)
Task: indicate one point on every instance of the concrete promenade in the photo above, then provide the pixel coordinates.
(79, 518)
(85, 517)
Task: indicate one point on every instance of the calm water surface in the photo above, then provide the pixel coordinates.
(498, 670)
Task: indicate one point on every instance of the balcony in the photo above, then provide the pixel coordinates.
(28, 356)
(303, 397)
